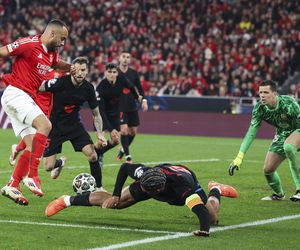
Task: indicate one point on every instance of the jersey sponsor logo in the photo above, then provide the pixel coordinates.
(177, 170)
(69, 108)
(42, 68)
(40, 56)
(138, 172)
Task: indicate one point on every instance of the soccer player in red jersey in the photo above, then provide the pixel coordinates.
(44, 101)
(34, 56)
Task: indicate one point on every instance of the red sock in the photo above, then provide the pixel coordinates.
(21, 146)
(38, 147)
(21, 169)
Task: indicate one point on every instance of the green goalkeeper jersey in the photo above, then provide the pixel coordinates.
(285, 117)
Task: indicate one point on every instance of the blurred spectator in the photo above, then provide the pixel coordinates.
(186, 42)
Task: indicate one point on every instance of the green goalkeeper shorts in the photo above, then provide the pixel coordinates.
(278, 141)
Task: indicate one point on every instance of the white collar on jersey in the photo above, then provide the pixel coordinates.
(45, 48)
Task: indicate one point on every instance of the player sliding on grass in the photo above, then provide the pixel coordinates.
(283, 112)
(174, 184)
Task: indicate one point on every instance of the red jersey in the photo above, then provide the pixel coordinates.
(45, 99)
(31, 64)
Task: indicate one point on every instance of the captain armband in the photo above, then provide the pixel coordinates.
(193, 200)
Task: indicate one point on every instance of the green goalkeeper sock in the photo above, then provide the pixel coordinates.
(294, 162)
(274, 182)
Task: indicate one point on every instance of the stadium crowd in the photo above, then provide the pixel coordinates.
(190, 47)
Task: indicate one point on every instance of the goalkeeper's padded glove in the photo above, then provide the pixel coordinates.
(236, 164)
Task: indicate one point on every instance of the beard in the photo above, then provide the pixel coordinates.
(53, 47)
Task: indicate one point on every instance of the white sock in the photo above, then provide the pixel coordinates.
(67, 200)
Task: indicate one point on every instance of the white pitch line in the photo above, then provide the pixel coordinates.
(87, 227)
(180, 235)
(147, 163)
(151, 163)
(154, 162)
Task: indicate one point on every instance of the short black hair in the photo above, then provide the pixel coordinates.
(81, 60)
(153, 179)
(111, 66)
(272, 84)
(57, 22)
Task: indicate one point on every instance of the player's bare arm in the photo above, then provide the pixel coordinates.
(98, 123)
(3, 52)
(115, 136)
(63, 66)
(126, 200)
(97, 120)
(144, 105)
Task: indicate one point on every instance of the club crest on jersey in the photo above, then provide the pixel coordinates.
(283, 117)
(40, 56)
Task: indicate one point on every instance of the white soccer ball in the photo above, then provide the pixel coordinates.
(84, 183)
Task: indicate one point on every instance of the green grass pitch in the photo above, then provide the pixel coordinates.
(152, 224)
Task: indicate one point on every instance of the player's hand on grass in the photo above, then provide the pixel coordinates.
(101, 139)
(111, 202)
(201, 233)
(236, 164)
(114, 134)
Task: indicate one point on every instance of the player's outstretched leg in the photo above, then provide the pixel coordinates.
(274, 182)
(11, 189)
(14, 194)
(59, 164)
(120, 154)
(90, 199)
(34, 185)
(225, 190)
(55, 206)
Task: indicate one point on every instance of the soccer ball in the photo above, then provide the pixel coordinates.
(84, 183)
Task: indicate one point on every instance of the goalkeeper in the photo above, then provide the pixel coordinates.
(283, 112)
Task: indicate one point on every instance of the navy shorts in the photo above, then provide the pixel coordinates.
(130, 118)
(79, 139)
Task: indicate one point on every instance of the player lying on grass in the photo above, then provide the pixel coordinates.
(174, 184)
(282, 112)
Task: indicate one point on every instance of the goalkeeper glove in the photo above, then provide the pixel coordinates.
(236, 164)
